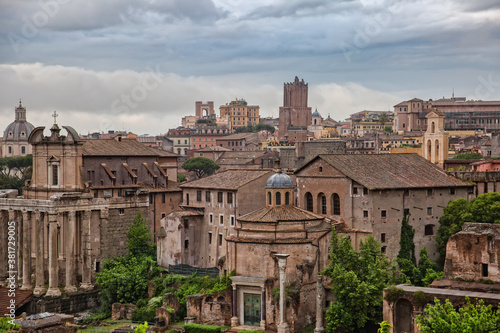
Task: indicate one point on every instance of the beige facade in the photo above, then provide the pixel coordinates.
(240, 114)
(211, 206)
(436, 139)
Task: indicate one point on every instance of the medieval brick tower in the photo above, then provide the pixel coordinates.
(295, 115)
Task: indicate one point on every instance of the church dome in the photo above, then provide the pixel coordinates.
(279, 180)
(20, 129)
(316, 114)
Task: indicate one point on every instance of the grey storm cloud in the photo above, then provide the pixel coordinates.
(89, 53)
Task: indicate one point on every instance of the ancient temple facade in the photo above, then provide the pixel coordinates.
(59, 232)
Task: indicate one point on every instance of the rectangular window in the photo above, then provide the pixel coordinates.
(198, 196)
(484, 270)
(96, 194)
(121, 211)
(452, 191)
(383, 214)
(365, 191)
(163, 198)
(207, 196)
(186, 244)
(365, 213)
(229, 198)
(382, 237)
(429, 230)
(232, 221)
(429, 210)
(221, 219)
(429, 191)
(210, 218)
(209, 238)
(220, 239)
(354, 190)
(55, 175)
(220, 197)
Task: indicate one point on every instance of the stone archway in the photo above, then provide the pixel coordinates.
(404, 316)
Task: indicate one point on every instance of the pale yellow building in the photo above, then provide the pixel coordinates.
(240, 113)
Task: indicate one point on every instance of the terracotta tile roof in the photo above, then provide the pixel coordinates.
(125, 147)
(228, 180)
(239, 136)
(280, 214)
(391, 171)
(239, 157)
(22, 297)
(182, 213)
(233, 238)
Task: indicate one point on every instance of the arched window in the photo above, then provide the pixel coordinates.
(429, 150)
(278, 199)
(269, 198)
(321, 203)
(335, 204)
(433, 127)
(287, 198)
(309, 202)
(23, 150)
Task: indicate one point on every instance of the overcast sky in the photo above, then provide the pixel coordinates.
(140, 65)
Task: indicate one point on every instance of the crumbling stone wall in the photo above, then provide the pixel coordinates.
(122, 311)
(473, 253)
(211, 309)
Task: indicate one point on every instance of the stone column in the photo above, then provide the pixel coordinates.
(263, 309)
(319, 305)
(234, 318)
(87, 272)
(70, 253)
(20, 241)
(3, 247)
(53, 264)
(26, 251)
(283, 325)
(39, 274)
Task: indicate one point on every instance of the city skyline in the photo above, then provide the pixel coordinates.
(83, 58)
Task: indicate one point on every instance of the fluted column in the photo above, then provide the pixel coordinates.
(39, 264)
(53, 264)
(319, 305)
(283, 326)
(26, 246)
(70, 253)
(3, 247)
(87, 272)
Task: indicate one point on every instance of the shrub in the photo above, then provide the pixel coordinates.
(393, 293)
(5, 324)
(144, 314)
(420, 298)
(195, 328)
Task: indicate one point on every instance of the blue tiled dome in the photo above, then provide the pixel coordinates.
(279, 180)
(18, 130)
(316, 114)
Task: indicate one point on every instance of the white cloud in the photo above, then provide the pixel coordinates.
(152, 101)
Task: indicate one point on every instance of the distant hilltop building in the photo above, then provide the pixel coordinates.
(460, 114)
(15, 136)
(294, 115)
(240, 114)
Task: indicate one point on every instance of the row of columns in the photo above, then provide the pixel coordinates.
(23, 249)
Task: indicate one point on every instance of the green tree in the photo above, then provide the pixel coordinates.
(14, 171)
(439, 318)
(406, 243)
(201, 166)
(139, 238)
(383, 119)
(181, 177)
(483, 209)
(468, 156)
(358, 279)
(387, 129)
